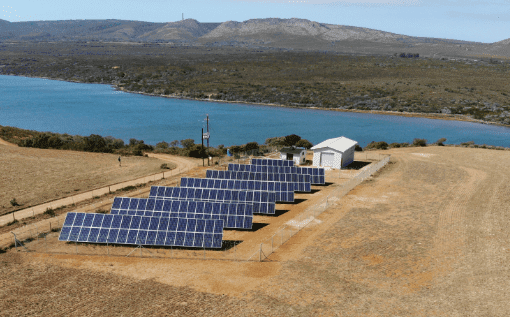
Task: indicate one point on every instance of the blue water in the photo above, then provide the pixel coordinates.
(84, 109)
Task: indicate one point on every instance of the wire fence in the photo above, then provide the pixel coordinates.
(43, 235)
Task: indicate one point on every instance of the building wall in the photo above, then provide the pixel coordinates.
(297, 158)
(348, 157)
(337, 158)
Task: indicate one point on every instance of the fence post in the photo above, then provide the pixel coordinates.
(272, 244)
(260, 253)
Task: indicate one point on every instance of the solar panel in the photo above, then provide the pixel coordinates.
(317, 174)
(283, 191)
(272, 162)
(299, 182)
(130, 229)
(262, 205)
(234, 215)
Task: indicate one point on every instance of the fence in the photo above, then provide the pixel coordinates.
(43, 236)
(39, 209)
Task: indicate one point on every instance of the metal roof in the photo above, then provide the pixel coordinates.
(292, 150)
(340, 144)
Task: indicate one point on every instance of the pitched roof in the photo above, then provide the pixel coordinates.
(340, 144)
(292, 150)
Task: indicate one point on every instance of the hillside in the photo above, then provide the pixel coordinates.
(293, 34)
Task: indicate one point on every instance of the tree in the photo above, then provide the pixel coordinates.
(174, 143)
(162, 145)
(187, 143)
(235, 149)
(291, 140)
(304, 143)
(275, 141)
(251, 146)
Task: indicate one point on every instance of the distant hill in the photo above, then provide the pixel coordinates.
(300, 34)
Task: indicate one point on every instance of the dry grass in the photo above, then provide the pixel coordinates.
(428, 236)
(33, 176)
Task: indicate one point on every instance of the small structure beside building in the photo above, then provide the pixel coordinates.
(298, 155)
(335, 153)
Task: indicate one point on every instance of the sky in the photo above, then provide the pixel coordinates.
(470, 20)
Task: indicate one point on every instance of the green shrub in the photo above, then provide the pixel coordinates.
(14, 202)
(440, 141)
(164, 166)
(420, 142)
(358, 148)
(50, 212)
(381, 145)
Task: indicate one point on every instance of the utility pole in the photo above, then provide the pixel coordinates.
(203, 164)
(207, 152)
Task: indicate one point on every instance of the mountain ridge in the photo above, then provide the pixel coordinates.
(290, 34)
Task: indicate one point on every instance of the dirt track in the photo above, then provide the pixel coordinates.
(428, 236)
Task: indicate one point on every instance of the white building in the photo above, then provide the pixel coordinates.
(335, 153)
(298, 155)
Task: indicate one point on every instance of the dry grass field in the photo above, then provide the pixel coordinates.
(34, 176)
(426, 236)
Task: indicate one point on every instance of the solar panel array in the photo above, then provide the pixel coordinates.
(262, 169)
(272, 162)
(283, 191)
(263, 202)
(317, 175)
(300, 182)
(141, 230)
(234, 215)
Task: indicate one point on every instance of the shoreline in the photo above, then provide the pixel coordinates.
(436, 116)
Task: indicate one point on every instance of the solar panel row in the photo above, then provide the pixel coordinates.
(272, 162)
(283, 191)
(300, 182)
(262, 169)
(263, 202)
(126, 229)
(316, 173)
(234, 215)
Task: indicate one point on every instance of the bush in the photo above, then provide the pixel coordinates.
(291, 140)
(50, 212)
(377, 145)
(162, 145)
(251, 146)
(304, 143)
(14, 202)
(165, 166)
(394, 145)
(358, 148)
(440, 141)
(188, 143)
(468, 143)
(420, 142)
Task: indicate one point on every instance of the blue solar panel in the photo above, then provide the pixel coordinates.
(186, 209)
(272, 162)
(268, 177)
(224, 195)
(199, 232)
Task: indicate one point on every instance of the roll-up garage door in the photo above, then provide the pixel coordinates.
(327, 159)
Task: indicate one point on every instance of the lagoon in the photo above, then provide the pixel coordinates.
(84, 109)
